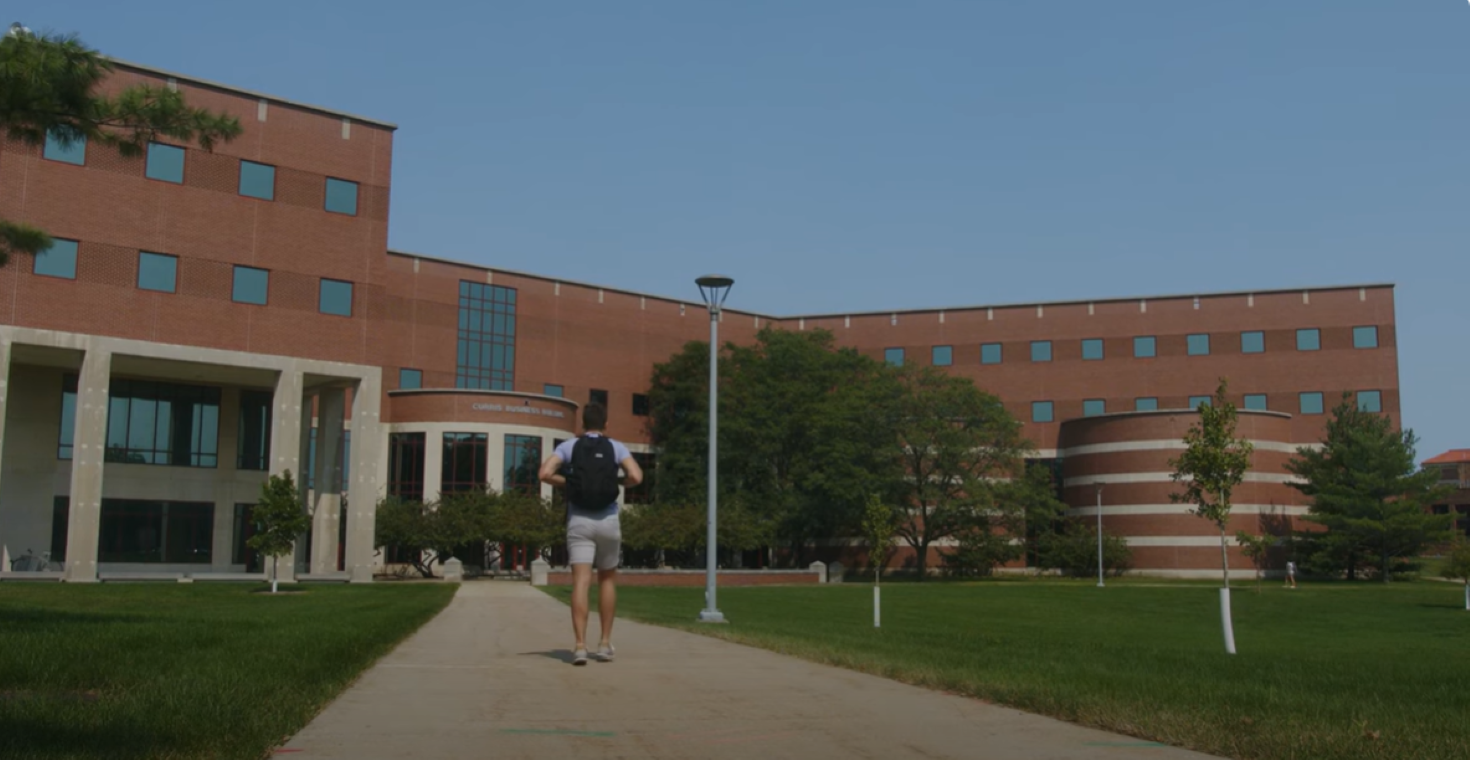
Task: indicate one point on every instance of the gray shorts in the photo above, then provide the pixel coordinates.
(594, 540)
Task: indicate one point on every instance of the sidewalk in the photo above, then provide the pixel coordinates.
(491, 677)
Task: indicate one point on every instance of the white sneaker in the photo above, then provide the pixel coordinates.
(605, 653)
(579, 657)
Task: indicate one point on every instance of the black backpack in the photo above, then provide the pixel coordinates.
(592, 483)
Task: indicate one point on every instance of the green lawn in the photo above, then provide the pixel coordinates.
(186, 671)
(1325, 671)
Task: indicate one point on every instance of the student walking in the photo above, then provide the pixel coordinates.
(1290, 574)
(594, 536)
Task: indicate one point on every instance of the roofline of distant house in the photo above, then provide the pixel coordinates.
(880, 312)
(242, 91)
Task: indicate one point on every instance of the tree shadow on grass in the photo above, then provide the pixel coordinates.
(42, 616)
(54, 735)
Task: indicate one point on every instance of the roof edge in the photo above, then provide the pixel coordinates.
(120, 63)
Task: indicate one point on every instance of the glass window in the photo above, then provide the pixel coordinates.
(1041, 411)
(1365, 337)
(60, 260)
(162, 423)
(1309, 339)
(1199, 344)
(165, 162)
(1256, 401)
(251, 285)
(597, 396)
(257, 180)
(943, 356)
(893, 356)
(1040, 350)
(990, 353)
(1253, 342)
(157, 271)
(1370, 401)
(1092, 349)
(65, 146)
(1311, 403)
(253, 440)
(406, 466)
(640, 405)
(487, 337)
(523, 464)
(1196, 402)
(465, 462)
(553, 390)
(410, 379)
(1145, 346)
(68, 417)
(336, 298)
(1093, 407)
(1146, 404)
(341, 196)
(60, 518)
(155, 531)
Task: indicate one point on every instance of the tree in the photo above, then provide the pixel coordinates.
(990, 533)
(956, 447)
(280, 518)
(1258, 548)
(1073, 551)
(880, 522)
(1458, 567)
(523, 519)
(1212, 465)
(432, 532)
(50, 85)
(1367, 492)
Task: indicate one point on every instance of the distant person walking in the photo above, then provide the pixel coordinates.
(1290, 574)
(594, 535)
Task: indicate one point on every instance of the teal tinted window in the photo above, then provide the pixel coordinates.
(1308, 340)
(1092, 349)
(64, 148)
(1256, 401)
(1253, 342)
(1370, 401)
(410, 379)
(157, 271)
(893, 356)
(1311, 403)
(162, 423)
(487, 337)
(342, 196)
(1365, 337)
(1041, 411)
(1093, 407)
(990, 353)
(1196, 402)
(251, 285)
(553, 390)
(1040, 350)
(165, 162)
(258, 180)
(336, 298)
(1144, 347)
(1199, 345)
(943, 356)
(1146, 404)
(60, 260)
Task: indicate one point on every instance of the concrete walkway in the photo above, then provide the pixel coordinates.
(491, 677)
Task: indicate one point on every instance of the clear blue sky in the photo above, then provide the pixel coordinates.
(871, 154)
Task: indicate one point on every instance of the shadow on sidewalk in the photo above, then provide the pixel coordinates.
(564, 655)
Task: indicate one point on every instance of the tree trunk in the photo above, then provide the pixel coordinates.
(923, 560)
(1386, 570)
(275, 571)
(1224, 558)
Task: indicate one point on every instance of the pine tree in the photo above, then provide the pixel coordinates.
(49, 85)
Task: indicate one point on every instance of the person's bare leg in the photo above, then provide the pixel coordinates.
(607, 602)
(581, 584)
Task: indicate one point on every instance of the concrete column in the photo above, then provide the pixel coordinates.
(369, 440)
(88, 455)
(285, 452)
(308, 423)
(4, 398)
(326, 510)
(433, 463)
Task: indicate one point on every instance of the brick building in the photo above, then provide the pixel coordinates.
(1454, 472)
(208, 317)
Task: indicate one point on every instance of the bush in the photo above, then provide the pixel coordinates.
(978, 552)
(1073, 551)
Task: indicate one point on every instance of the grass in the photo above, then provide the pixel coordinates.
(186, 671)
(1324, 671)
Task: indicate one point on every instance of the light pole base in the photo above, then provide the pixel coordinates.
(712, 616)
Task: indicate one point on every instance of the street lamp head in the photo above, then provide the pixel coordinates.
(713, 288)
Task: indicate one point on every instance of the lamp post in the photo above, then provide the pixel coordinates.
(1099, 486)
(713, 288)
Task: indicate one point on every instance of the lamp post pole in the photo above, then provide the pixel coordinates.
(1099, 486)
(713, 289)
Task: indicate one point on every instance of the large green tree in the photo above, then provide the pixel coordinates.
(1367, 492)
(52, 84)
(956, 448)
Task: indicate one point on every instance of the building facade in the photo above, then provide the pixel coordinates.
(208, 318)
